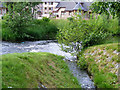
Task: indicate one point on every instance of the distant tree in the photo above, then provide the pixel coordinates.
(109, 8)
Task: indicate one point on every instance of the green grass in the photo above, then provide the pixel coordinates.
(27, 70)
(111, 39)
(101, 68)
(60, 23)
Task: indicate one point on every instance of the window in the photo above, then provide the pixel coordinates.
(50, 3)
(51, 8)
(70, 13)
(45, 2)
(45, 8)
(62, 13)
(57, 15)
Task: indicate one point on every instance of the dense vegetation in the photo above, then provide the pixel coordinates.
(76, 33)
(108, 8)
(30, 70)
(35, 30)
(87, 32)
(102, 62)
(19, 24)
(81, 34)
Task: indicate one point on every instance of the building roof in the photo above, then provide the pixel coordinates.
(50, 0)
(69, 6)
(79, 6)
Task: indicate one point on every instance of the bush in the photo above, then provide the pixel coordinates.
(111, 25)
(45, 19)
(85, 32)
(42, 30)
(70, 19)
(19, 21)
(36, 30)
(36, 21)
(90, 32)
(82, 62)
(8, 35)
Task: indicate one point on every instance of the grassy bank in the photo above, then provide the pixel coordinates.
(27, 70)
(102, 62)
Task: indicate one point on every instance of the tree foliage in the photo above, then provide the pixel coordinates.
(78, 34)
(109, 8)
(18, 17)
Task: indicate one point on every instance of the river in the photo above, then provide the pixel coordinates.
(50, 46)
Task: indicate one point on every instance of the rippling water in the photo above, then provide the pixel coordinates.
(50, 46)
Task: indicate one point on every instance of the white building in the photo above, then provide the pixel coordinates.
(61, 9)
(2, 10)
(48, 8)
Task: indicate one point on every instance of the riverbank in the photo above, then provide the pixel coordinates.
(101, 61)
(30, 70)
(53, 47)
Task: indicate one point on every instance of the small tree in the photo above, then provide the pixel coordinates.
(78, 34)
(18, 17)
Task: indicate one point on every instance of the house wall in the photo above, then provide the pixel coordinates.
(46, 8)
(59, 13)
(63, 14)
(67, 14)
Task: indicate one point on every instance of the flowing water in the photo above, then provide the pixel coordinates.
(50, 46)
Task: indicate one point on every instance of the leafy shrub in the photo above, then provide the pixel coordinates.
(36, 21)
(41, 30)
(45, 19)
(90, 32)
(111, 25)
(36, 30)
(82, 62)
(70, 18)
(85, 32)
(8, 35)
(18, 17)
(21, 21)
